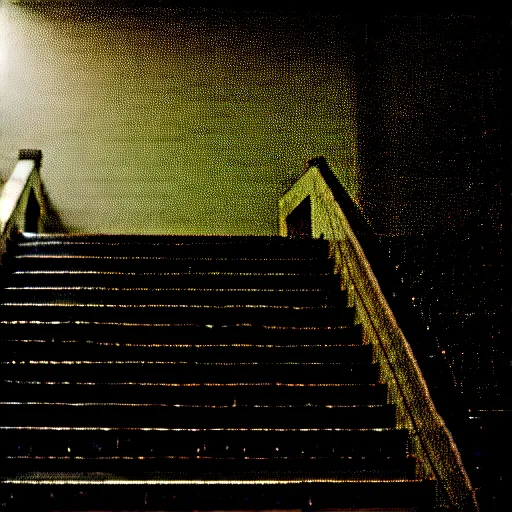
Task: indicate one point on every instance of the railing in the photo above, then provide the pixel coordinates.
(431, 443)
(24, 205)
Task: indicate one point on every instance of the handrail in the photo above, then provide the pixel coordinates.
(24, 205)
(431, 442)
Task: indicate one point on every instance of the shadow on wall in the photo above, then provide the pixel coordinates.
(299, 222)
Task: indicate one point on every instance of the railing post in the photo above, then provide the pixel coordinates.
(22, 199)
(31, 154)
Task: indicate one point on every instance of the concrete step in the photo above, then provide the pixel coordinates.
(150, 416)
(377, 444)
(188, 372)
(179, 333)
(232, 241)
(216, 468)
(178, 366)
(162, 264)
(231, 247)
(195, 393)
(205, 280)
(177, 314)
(74, 350)
(53, 491)
(192, 296)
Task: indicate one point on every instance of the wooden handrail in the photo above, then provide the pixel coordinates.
(330, 208)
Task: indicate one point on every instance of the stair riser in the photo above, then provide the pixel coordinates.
(227, 467)
(173, 297)
(230, 242)
(166, 280)
(188, 334)
(375, 445)
(23, 351)
(225, 497)
(199, 417)
(183, 373)
(173, 251)
(214, 395)
(270, 316)
(285, 266)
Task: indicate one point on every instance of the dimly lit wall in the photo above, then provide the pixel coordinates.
(430, 106)
(157, 120)
(434, 176)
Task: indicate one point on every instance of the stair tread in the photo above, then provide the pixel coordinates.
(99, 491)
(188, 333)
(173, 296)
(233, 240)
(199, 417)
(103, 477)
(219, 468)
(189, 374)
(136, 249)
(166, 264)
(196, 393)
(48, 441)
(244, 352)
(224, 278)
(227, 314)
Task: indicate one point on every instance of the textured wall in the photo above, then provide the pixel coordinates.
(173, 121)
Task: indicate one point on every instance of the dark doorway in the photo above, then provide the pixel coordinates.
(299, 221)
(32, 214)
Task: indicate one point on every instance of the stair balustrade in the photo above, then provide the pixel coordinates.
(330, 208)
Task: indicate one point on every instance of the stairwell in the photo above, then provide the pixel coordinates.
(213, 372)
(174, 372)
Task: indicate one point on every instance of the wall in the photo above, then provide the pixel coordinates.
(172, 121)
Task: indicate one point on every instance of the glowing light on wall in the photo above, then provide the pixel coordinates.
(4, 33)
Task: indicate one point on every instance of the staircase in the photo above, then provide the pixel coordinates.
(155, 372)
